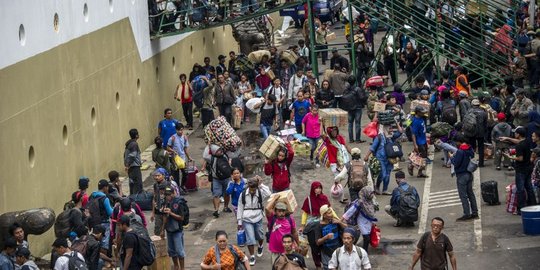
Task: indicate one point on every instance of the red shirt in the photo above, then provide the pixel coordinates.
(332, 150)
(280, 171)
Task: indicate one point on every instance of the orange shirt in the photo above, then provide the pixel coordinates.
(226, 258)
(461, 87)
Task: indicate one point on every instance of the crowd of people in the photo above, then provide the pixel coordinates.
(107, 228)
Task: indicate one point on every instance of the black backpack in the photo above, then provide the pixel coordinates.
(75, 263)
(221, 166)
(62, 225)
(407, 205)
(348, 101)
(449, 114)
(184, 211)
(96, 208)
(470, 124)
(146, 250)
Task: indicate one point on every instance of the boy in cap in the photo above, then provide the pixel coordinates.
(280, 223)
(419, 139)
(176, 213)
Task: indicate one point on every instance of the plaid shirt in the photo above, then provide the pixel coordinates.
(226, 258)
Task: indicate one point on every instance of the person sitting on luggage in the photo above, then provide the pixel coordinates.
(394, 209)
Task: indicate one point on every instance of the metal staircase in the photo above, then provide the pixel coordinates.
(466, 38)
(256, 27)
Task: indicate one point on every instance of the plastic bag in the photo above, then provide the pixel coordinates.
(337, 191)
(241, 238)
(371, 130)
(180, 163)
(375, 236)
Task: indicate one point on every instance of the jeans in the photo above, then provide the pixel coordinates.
(524, 189)
(254, 232)
(501, 147)
(226, 110)
(135, 180)
(355, 119)
(384, 177)
(107, 235)
(480, 143)
(466, 195)
(175, 244)
(447, 150)
(188, 113)
(313, 142)
(265, 130)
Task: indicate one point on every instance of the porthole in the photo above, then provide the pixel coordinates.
(22, 35)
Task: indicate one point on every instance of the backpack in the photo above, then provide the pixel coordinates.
(146, 251)
(449, 114)
(358, 174)
(259, 198)
(71, 203)
(222, 168)
(80, 245)
(75, 263)
(271, 226)
(184, 211)
(348, 101)
(62, 225)
(392, 149)
(359, 252)
(440, 129)
(470, 124)
(352, 221)
(407, 205)
(496, 104)
(283, 262)
(96, 208)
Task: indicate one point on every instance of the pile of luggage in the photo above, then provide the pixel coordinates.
(219, 132)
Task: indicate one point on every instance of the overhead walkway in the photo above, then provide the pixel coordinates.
(466, 39)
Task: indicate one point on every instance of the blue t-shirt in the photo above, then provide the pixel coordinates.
(235, 190)
(178, 144)
(418, 128)
(301, 108)
(168, 128)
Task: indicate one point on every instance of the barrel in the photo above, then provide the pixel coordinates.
(530, 217)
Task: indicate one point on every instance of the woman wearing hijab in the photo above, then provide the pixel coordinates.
(363, 209)
(338, 151)
(310, 213)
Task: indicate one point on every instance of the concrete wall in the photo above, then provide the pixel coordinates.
(66, 112)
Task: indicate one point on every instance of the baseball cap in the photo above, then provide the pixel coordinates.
(475, 102)
(281, 206)
(463, 94)
(520, 91)
(356, 151)
(169, 191)
(520, 130)
(221, 56)
(501, 116)
(103, 183)
(22, 252)
(424, 92)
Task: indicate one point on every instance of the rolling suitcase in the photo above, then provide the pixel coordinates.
(490, 193)
(191, 180)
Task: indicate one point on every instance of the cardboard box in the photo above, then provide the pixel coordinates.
(161, 263)
(202, 180)
(330, 37)
(287, 197)
(422, 103)
(161, 246)
(285, 133)
(334, 117)
(379, 107)
(271, 146)
(302, 149)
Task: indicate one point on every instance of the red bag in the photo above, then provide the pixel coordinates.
(375, 81)
(371, 130)
(375, 235)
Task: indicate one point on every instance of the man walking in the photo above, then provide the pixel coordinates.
(418, 131)
(432, 248)
(224, 97)
(133, 162)
(349, 256)
(178, 144)
(353, 101)
(475, 128)
(128, 254)
(464, 178)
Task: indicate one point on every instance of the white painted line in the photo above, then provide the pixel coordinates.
(444, 191)
(478, 222)
(443, 195)
(204, 231)
(425, 197)
(444, 202)
(453, 196)
(444, 205)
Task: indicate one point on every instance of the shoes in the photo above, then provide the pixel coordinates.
(216, 214)
(422, 176)
(410, 171)
(510, 168)
(227, 210)
(386, 193)
(259, 251)
(252, 260)
(463, 218)
(317, 165)
(221, 199)
(377, 192)
(360, 141)
(344, 201)
(498, 168)
(475, 216)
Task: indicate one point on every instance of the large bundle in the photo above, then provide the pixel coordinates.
(289, 56)
(334, 117)
(219, 132)
(440, 129)
(256, 56)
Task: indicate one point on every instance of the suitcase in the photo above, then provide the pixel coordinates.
(191, 179)
(143, 199)
(490, 193)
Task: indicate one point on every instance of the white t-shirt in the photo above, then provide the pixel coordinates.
(62, 263)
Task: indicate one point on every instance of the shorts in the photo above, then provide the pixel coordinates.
(254, 232)
(219, 187)
(423, 150)
(175, 244)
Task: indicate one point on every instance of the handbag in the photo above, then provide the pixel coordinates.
(375, 235)
(416, 160)
(371, 130)
(392, 149)
(472, 166)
